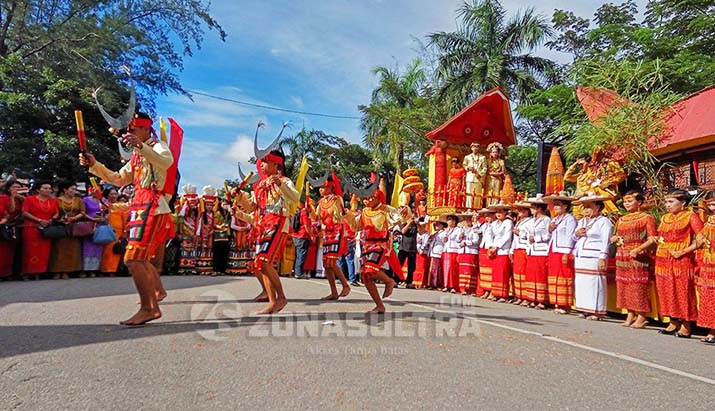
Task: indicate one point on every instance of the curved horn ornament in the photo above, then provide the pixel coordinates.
(318, 182)
(258, 153)
(360, 192)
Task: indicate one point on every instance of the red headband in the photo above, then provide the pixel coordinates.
(273, 158)
(141, 122)
(380, 196)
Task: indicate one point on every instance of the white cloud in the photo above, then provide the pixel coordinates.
(296, 101)
(241, 150)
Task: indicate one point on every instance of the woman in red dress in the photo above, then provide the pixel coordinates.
(39, 211)
(675, 264)
(10, 209)
(455, 187)
(706, 280)
(635, 235)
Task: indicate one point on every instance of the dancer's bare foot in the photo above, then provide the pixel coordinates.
(142, 317)
(266, 310)
(330, 297)
(279, 305)
(345, 292)
(389, 286)
(379, 309)
(261, 298)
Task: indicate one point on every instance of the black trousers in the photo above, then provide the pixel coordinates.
(411, 257)
(221, 249)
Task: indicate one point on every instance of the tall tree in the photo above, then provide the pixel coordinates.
(488, 50)
(54, 52)
(402, 110)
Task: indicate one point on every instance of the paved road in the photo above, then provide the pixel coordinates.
(61, 348)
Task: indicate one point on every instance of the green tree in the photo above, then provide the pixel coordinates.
(54, 52)
(489, 50)
(402, 110)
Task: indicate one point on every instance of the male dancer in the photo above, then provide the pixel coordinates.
(274, 196)
(150, 223)
(375, 220)
(330, 213)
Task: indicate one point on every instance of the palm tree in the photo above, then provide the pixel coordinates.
(487, 51)
(399, 114)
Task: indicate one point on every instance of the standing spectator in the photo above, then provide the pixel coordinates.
(561, 261)
(118, 217)
(10, 210)
(91, 252)
(422, 266)
(301, 239)
(593, 235)
(66, 254)
(347, 261)
(39, 211)
(222, 237)
(675, 264)
(436, 273)
(408, 248)
(706, 283)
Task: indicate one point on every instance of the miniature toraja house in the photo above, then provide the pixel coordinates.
(486, 121)
(687, 141)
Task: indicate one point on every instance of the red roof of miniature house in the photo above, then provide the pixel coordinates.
(486, 120)
(688, 123)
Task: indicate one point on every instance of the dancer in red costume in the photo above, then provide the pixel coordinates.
(330, 212)
(375, 220)
(274, 196)
(150, 223)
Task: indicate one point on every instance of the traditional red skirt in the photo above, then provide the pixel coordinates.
(374, 257)
(484, 282)
(501, 275)
(468, 272)
(147, 230)
(435, 272)
(35, 251)
(519, 274)
(536, 281)
(632, 282)
(335, 243)
(450, 270)
(676, 288)
(271, 239)
(561, 278)
(420, 278)
(706, 292)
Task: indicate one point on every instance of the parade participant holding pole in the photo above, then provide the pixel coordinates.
(150, 223)
(274, 196)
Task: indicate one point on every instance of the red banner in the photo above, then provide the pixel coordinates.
(177, 138)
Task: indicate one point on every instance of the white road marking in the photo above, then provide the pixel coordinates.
(558, 340)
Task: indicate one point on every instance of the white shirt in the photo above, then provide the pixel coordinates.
(502, 235)
(562, 240)
(437, 244)
(451, 236)
(521, 240)
(470, 241)
(542, 236)
(423, 243)
(486, 231)
(597, 239)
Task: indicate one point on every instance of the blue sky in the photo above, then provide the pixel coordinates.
(312, 55)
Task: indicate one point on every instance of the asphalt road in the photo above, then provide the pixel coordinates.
(61, 348)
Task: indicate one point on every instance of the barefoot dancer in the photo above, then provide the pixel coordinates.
(330, 213)
(150, 223)
(275, 194)
(375, 220)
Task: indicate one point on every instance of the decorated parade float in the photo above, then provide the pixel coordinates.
(466, 162)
